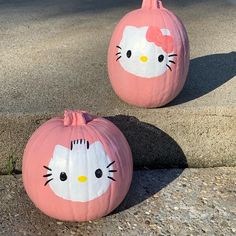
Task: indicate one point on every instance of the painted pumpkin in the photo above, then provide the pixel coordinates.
(78, 168)
(148, 56)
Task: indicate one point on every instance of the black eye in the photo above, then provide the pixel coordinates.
(98, 173)
(161, 58)
(129, 53)
(63, 176)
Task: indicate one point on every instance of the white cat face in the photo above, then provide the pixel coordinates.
(81, 173)
(141, 57)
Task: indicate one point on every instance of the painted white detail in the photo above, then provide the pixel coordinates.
(165, 31)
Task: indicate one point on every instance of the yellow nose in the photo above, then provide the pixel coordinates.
(82, 178)
(143, 58)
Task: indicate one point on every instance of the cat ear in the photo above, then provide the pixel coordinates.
(60, 152)
(97, 148)
(165, 32)
(129, 30)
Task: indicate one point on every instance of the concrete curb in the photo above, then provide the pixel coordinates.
(163, 138)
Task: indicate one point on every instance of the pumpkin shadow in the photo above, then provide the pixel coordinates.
(151, 148)
(145, 184)
(205, 75)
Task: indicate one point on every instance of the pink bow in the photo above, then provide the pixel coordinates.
(154, 35)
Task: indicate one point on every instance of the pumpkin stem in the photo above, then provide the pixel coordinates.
(152, 4)
(75, 118)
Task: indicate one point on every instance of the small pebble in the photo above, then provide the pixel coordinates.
(233, 230)
(147, 222)
(224, 224)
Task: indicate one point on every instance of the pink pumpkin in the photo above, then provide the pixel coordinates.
(78, 168)
(148, 56)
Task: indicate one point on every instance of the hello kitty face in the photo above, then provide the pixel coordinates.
(81, 173)
(146, 51)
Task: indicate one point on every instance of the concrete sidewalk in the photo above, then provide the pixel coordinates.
(161, 202)
(53, 57)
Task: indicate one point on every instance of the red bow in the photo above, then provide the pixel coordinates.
(155, 35)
